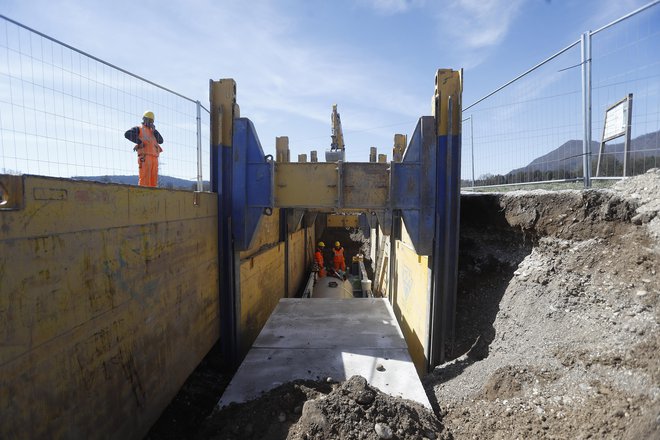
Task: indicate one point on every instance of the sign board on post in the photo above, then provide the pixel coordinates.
(618, 122)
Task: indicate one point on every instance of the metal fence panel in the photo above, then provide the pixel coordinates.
(63, 113)
(626, 59)
(531, 129)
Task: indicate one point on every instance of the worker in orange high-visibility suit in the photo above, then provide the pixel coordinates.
(147, 142)
(318, 259)
(338, 257)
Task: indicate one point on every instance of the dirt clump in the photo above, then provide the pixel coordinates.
(557, 336)
(303, 410)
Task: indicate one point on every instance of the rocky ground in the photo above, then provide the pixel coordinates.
(556, 336)
(306, 410)
(558, 327)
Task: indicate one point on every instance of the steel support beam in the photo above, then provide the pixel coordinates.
(447, 110)
(223, 107)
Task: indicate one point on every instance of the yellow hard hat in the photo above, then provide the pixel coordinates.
(321, 244)
(149, 114)
(337, 243)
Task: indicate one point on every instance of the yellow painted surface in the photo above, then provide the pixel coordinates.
(366, 185)
(400, 142)
(315, 185)
(297, 263)
(305, 185)
(100, 288)
(342, 221)
(282, 149)
(267, 234)
(411, 302)
(410, 292)
(262, 275)
(262, 286)
(223, 111)
(448, 83)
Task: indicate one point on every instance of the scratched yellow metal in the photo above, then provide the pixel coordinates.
(298, 262)
(365, 185)
(261, 287)
(448, 83)
(267, 234)
(282, 153)
(306, 185)
(223, 110)
(100, 287)
(316, 185)
(412, 302)
(342, 221)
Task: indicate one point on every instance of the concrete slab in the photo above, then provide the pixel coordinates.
(319, 338)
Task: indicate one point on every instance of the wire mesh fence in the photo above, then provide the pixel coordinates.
(64, 113)
(626, 60)
(532, 129)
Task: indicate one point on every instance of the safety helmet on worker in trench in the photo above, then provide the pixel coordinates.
(337, 244)
(321, 244)
(149, 115)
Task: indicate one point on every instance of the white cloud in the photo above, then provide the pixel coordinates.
(391, 7)
(478, 24)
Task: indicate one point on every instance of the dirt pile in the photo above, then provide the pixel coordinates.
(324, 410)
(558, 318)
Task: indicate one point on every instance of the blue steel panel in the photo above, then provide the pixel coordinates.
(252, 183)
(413, 186)
(445, 266)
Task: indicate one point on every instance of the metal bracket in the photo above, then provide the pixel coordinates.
(413, 186)
(252, 186)
(294, 219)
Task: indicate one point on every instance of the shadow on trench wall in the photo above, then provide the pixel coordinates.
(490, 250)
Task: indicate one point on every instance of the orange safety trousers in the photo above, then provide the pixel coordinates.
(148, 154)
(318, 258)
(148, 170)
(338, 259)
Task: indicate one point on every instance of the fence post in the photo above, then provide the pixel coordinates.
(200, 183)
(472, 147)
(585, 42)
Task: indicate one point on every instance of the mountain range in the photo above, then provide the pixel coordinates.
(568, 156)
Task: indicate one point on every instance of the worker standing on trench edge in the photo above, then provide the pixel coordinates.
(147, 144)
(318, 259)
(338, 260)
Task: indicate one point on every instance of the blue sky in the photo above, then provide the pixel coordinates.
(293, 59)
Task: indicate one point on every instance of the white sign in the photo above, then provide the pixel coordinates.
(616, 121)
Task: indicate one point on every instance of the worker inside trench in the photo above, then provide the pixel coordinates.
(354, 243)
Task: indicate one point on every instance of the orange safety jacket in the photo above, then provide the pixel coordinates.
(338, 258)
(149, 145)
(318, 257)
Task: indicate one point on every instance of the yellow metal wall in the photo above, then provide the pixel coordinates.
(299, 260)
(262, 272)
(108, 301)
(410, 293)
(261, 287)
(342, 221)
(411, 299)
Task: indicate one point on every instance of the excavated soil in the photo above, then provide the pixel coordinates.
(305, 410)
(556, 333)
